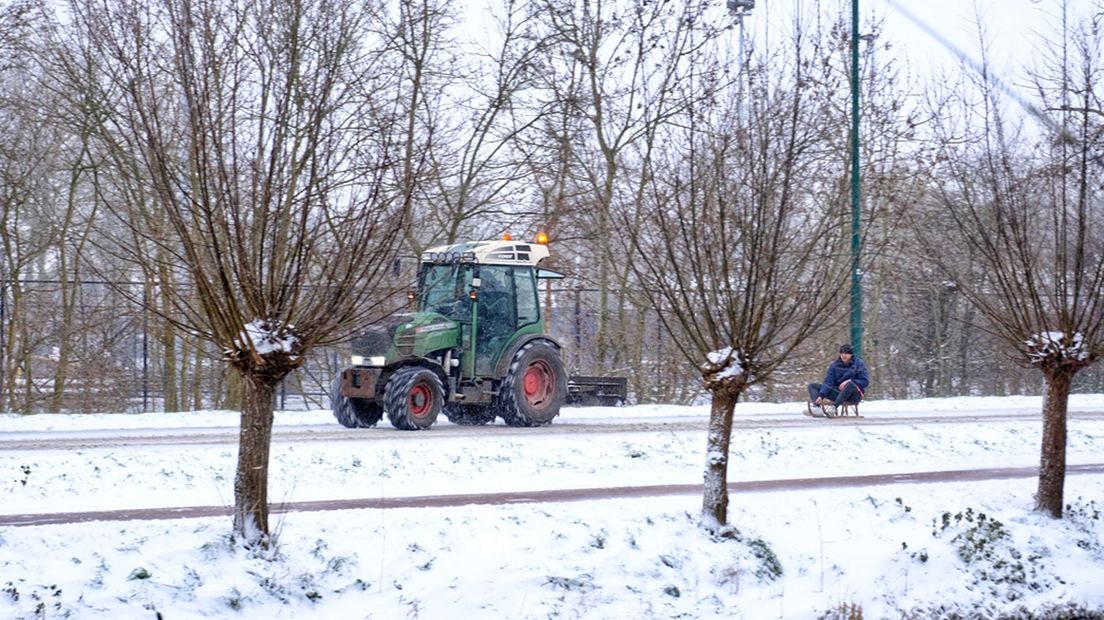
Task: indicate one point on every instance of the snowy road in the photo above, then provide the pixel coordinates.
(332, 432)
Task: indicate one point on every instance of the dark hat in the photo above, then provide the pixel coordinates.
(846, 348)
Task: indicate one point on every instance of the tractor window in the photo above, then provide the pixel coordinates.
(528, 302)
(496, 300)
(444, 289)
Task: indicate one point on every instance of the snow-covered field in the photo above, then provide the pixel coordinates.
(968, 547)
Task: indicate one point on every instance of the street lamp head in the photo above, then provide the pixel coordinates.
(741, 7)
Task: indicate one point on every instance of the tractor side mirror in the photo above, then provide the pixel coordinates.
(545, 274)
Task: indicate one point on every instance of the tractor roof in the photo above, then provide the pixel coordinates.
(494, 252)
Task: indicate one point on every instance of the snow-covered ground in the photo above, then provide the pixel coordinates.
(965, 547)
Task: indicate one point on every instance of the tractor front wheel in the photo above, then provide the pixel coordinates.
(535, 388)
(353, 412)
(413, 398)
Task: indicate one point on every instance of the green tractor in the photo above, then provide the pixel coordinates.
(476, 348)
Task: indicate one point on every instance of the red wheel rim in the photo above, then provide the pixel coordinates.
(537, 383)
(420, 400)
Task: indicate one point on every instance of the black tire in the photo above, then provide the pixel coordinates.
(353, 412)
(469, 415)
(413, 398)
(535, 387)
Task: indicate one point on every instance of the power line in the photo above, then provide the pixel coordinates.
(980, 69)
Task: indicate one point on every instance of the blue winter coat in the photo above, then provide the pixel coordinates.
(838, 372)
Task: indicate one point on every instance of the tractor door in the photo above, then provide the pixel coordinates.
(507, 303)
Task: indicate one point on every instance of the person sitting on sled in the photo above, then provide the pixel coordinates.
(845, 382)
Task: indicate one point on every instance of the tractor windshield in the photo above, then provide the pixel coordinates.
(444, 290)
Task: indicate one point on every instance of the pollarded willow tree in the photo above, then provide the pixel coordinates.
(740, 239)
(1029, 207)
(245, 143)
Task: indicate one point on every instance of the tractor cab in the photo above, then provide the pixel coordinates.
(489, 289)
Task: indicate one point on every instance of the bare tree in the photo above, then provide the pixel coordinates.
(255, 132)
(417, 31)
(1030, 211)
(481, 181)
(623, 69)
(28, 161)
(739, 239)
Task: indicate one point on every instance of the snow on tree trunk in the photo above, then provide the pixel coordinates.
(726, 376)
(715, 496)
(251, 481)
(264, 353)
(1052, 470)
(1060, 356)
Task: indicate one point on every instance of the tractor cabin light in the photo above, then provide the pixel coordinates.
(507, 237)
(542, 238)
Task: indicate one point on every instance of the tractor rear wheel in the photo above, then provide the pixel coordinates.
(535, 388)
(469, 415)
(353, 412)
(413, 398)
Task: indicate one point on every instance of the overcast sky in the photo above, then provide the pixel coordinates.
(1013, 28)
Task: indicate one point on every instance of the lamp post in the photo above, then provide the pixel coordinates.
(856, 239)
(741, 9)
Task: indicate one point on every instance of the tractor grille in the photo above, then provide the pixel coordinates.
(376, 339)
(404, 345)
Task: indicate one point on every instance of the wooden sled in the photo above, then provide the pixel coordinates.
(846, 410)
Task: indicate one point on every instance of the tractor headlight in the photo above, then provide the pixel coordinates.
(357, 360)
(375, 360)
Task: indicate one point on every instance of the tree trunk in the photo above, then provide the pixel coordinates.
(201, 373)
(1052, 470)
(27, 364)
(65, 335)
(715, 498)
(166, 336)
(251, 481)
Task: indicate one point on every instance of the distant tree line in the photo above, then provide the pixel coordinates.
(570, 118)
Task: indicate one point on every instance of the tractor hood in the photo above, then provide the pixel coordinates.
(377, 339)
(407, 335)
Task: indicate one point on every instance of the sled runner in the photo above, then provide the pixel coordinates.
(819, 411)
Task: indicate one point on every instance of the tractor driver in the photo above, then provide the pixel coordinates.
(447, 294)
